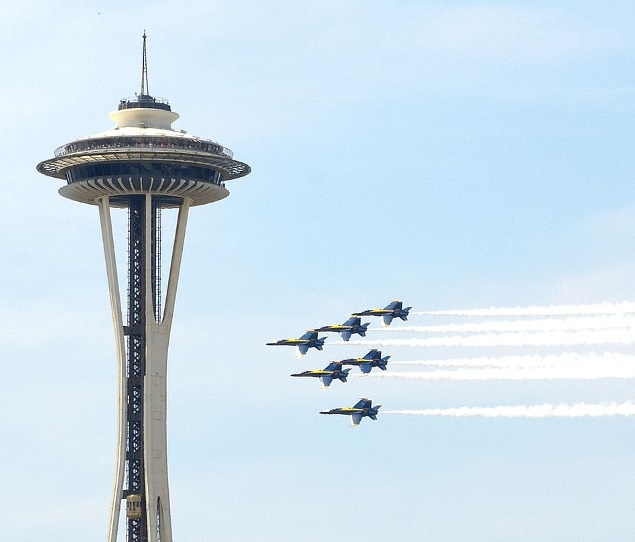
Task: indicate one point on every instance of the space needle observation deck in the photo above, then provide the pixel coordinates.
(143, 154)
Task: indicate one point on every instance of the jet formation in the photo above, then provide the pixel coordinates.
(364, 407)
(333, 371)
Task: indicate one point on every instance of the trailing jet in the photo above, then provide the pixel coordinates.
(394, 309)
(370, 360)
(331, 371)
(352, 325)
(308, 340)
(364, 407)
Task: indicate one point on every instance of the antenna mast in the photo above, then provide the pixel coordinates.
(144, 69)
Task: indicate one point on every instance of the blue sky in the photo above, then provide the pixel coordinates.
(451, 154)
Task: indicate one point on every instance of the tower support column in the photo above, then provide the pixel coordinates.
(115, 303)
(142, 367)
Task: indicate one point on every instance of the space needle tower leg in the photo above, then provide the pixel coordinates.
(155, 393)
(115, 302)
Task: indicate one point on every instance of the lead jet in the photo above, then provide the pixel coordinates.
(331, 371)
(352, 325)
(394, 309)
(308, 340)
(370, 360)
(364, 407)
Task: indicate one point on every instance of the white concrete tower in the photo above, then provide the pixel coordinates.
(142, 164)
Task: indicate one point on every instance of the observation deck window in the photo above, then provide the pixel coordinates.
(144, 101)
(143, 169)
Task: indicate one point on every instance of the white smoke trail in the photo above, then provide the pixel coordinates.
(566, 359)
(528, 411)
(576, 372)
(599, 322)
(554, 310)
(546, 338)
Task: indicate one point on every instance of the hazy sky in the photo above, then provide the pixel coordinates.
(452, 154)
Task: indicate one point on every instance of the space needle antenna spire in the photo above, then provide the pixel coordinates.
(145, 90)
(144, 166)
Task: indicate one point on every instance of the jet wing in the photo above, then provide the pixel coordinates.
(346, 335)
(355, 419)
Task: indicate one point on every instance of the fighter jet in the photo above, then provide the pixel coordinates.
(326, 375)
(392, 310)
(352, 325)
(308, 340)
(370, 360)
(364, 407)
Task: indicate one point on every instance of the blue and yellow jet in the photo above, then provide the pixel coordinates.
(352, 325)
(308, 340)
(370, 360)
(394, 309)
(332, 371)
(364, 407)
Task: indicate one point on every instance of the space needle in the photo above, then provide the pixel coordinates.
(145, 166)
